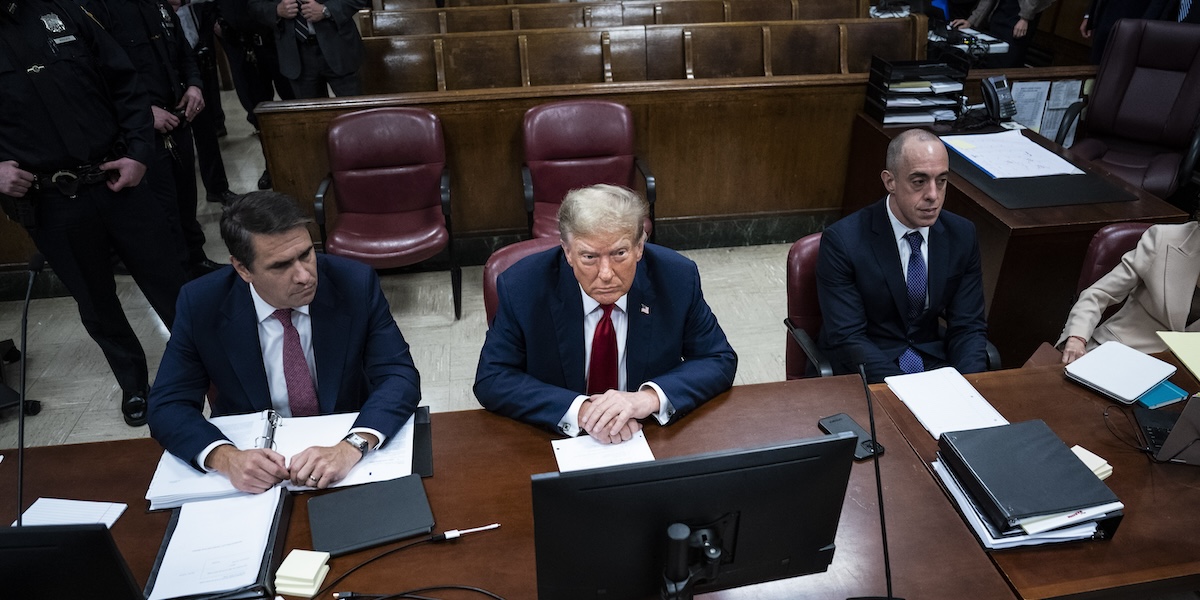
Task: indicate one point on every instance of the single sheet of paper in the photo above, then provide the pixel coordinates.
(585, 452)
(1185, 345)
(943, 400)
(56, 511)
(1030, 97)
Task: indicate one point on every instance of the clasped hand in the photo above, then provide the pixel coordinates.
(260, 469)
(612, 417)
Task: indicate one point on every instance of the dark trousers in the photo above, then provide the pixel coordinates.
(1000, 25)
(204, 127)
(172, 179)
(78, 236)
(315, 75)
(254, 68)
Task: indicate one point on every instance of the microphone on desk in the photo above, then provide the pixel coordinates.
(35, 266)
(887, 563)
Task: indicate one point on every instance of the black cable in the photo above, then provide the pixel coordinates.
(412, 593)
(371, 560)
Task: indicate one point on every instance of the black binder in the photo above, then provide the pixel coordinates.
(369, 515)
(1023, 470)
(264, 585)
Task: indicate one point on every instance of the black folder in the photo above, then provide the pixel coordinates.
(1022, 470)
(264, 586)
(368, 515)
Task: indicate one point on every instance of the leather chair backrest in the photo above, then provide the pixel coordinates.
(578, 143)
(1148, 84)
(500, 261)
(802, 306)
(1105, 250)
(386, 160)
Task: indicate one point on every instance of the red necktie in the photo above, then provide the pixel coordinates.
(602, 370)
(302, 396)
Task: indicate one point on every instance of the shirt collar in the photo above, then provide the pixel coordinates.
(590, 304)
(899, 230)
(264, 310)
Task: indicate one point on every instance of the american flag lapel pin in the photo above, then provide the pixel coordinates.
(645, 309)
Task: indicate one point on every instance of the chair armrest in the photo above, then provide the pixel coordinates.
(319, 206)
(445, 188)
(527, 183)
(1069, 119)
(809, 347)
(648, 177)
(993, 357)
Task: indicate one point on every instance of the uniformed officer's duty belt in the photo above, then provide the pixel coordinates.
(68, 181)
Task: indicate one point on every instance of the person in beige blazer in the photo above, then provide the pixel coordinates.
(1158, 282)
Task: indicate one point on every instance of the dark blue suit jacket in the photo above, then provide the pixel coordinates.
(363, 362)
(532, 364)
(864, 297)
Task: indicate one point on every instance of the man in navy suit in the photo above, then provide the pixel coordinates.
(883, 288)
(267, 336)
(603, 331)
(318, 43)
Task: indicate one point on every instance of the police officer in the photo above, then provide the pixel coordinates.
(75, 136)
(150, 33)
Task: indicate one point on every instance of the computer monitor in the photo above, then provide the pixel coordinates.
(756, 514)
(52, 562)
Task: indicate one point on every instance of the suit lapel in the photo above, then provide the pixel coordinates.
(639, 327)
(938, 247)
(329, 325)
(886, 251)
(238, 332)
(566, 309)
(1180, 272)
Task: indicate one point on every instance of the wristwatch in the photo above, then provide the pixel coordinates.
(325, 13)
(358, 442)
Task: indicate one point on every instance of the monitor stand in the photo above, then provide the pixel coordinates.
(694, 556)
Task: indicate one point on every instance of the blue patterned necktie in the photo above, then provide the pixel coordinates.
(910, 361)
(1184, 7)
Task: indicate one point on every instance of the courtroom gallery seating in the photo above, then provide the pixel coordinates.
(388, 174)
(1141, 120)
(574, 144)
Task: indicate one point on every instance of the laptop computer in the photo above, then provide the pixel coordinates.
(1170, 436)
(51, 562)
(1119, 372)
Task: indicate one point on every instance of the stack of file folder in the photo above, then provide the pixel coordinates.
(1019, 484)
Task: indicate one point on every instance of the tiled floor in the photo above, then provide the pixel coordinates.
(80, 398)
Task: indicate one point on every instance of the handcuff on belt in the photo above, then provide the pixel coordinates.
(68, 181)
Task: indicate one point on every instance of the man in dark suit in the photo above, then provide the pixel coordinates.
(318, 43)
(603, 331)
(888, 273)
(261, 332)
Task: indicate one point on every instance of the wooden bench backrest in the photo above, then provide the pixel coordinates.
(655, 52)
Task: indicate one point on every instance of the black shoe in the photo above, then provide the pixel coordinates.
(204, 267)
(264, 182)
(133, 408)
(225, 198)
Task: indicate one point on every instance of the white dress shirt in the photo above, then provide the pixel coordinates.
(592, 313)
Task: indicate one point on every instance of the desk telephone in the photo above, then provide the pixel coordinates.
(997, 96)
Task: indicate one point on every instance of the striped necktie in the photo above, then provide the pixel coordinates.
(910, 361)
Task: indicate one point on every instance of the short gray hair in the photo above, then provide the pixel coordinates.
(602, 208)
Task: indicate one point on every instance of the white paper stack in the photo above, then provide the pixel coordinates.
(302, 573)
(1098, 465)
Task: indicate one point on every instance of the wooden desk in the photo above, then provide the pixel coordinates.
(1156, 548)
(482, 465)
(1031, 257)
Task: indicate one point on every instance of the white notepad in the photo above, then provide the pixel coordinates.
(1119, 372)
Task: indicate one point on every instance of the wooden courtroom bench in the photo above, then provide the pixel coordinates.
(599, 14)
(498, 59)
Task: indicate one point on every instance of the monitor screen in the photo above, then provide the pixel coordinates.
(52, 562)
(769, 513)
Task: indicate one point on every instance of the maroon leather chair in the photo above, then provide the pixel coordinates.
(1141, 121)
(1105, 250)
(575, 144)
(388, 172)
(500, 261)
(804, 311)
